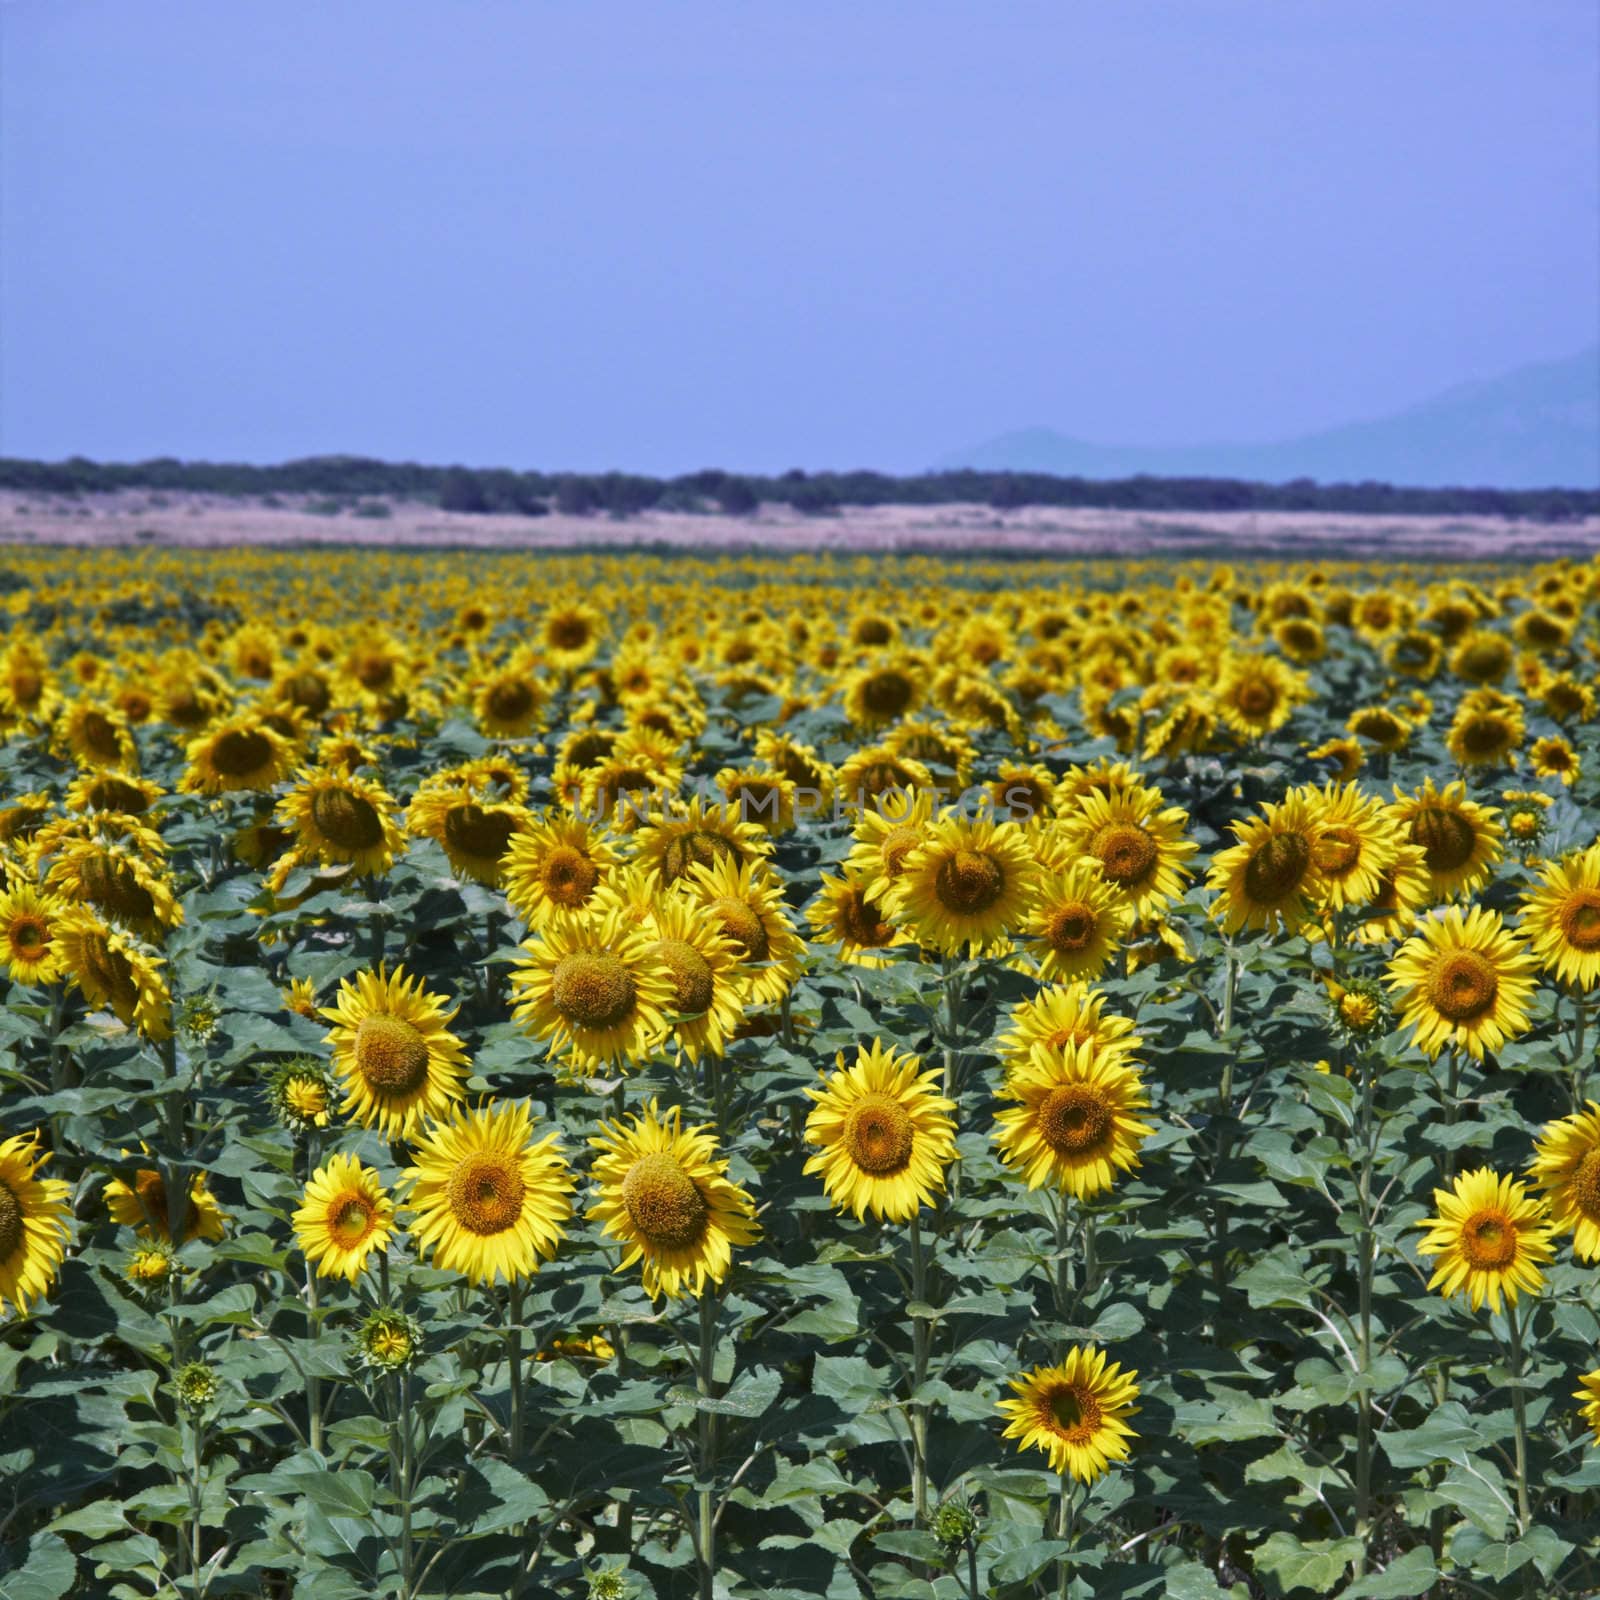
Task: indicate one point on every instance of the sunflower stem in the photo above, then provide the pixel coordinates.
(313, 1383)
(514, 1361)
(1519, 1411)
(920, 1332)
(1365, 1265)
(407, 1479)
(706, 1521)
(1066, 1530)
(195, 1439)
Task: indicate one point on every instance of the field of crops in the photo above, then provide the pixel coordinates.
(651, 1075)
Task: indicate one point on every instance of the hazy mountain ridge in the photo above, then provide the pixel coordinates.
(1537, 427)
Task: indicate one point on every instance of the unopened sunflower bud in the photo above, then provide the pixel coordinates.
(389, 1340)
(302, 1093)
(196, 1386)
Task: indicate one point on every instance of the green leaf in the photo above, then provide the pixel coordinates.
(47, 1574)
(1313, 1565)
(1019, 1566)
(348, 1492)
(1404, 1578)
(98, 1520)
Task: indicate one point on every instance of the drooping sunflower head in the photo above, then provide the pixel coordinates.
(884, 1132)
(1561, 918)
(1066, 1016)
(344, 1218)
(105, 790)
(1464, 980)
(664, 1193)
(114, 877)
(1490, 1236)
(967, 885)
(144, 1205)
(873, 771)
(34, 1213)
(474, 832)
(113, 970)
(391, 1047)
(1380, 729)
(593, 987)
(1566, 1166)
(685, 836)
(488, 1198)
(1074, 1412)
(1346, 754)
(1074, 1125)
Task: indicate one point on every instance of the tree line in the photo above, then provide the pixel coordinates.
(352, 479)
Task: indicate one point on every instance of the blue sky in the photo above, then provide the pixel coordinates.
(771, 233)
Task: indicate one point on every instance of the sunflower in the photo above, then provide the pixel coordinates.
(105, 790)
(937, 746)
(1464, 980)
(665, 1195)
(889, 688)
(746, 904)
(343, 819)
(799, 763)
(761, 797)
(968, 884)
(509, 703)
(1347, 753)
(1486, 732)
(886, 1134)
(1562, 918)
(474, 832)
(1354, 843)
(697, 834)
(554, 867)
(1526, 817)
(624, 790)
(487, 1198)
(33, 1222)
(708, 981)
(594, 989)
(114, 878)
(1491, 1237)
(246, 752)
(1483, 656)
(1074, 1125)
(496, 778)
(1554, 757)
(21, 818)
(344, 1217)
(570, 634)
(1076, 924)
(1404, 888)
(96, 736)
(28, 950)
(1270, 878)
(1075, 1412)
(1065, 1017)
(873, 772)
(885, 834)
(1379, 728)
(1136, 843)
(1255, 695)
(1588, 1391)
(115, 971)
(1460, 839)
(391, 1047)
(844, 914)
(143, 1205)
(1566, 1165)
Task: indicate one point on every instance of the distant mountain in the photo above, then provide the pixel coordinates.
(1535, 428)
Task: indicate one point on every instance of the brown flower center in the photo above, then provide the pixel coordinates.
(1127, 854)
(969, 882)
(897, 844)
(567, 632)
(1070, 927)
(391, 1055)
(351, 1220)
(1580, 919)
(240, 752)
(1463, 986)
(10, 1222)
(1278, 868)
(100, 735)
(1338, 849)
(309, 691)
(861, 921)
(887, 694)
(475, 832)
(1585, 1185)
(741, 924)
(346, 820)
(1447, 838)
(695, 847)
(1073, 1412)
(664, 1203)
(1485, 736)
(485, 1193)
(28, 935)
(1489, 1239)
(592, 989)
(878, 1134)
(1256, 698)
(111, 793)
(510, 700)
(110, 883)
(692, 980)
(1074, 1118)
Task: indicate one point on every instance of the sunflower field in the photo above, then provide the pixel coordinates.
(652, 1075)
